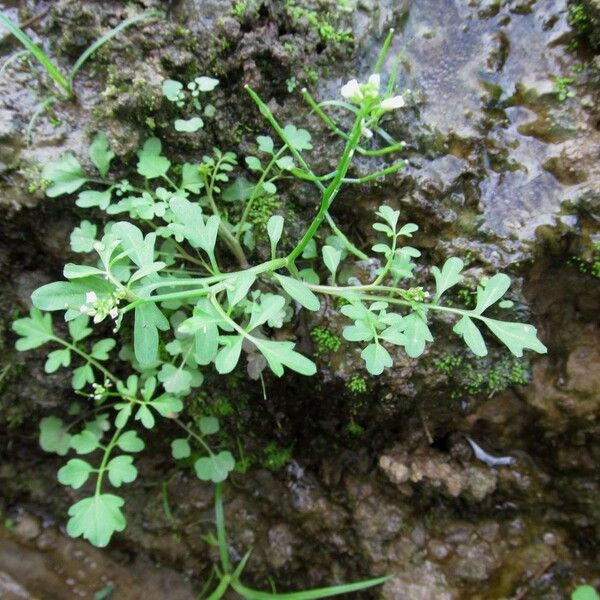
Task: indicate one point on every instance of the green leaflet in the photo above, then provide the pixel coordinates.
(75, 473)
(448, 276)
(299, 292)
(491, 292)
(279, 354)
(121, 470)
(417, 334)
(54, 436)
(274, 230)
(298, 139)
(585, 592)
(34, 330)
(208, 425)
(331, 258)
(83, 237)
(516, 336)
(472, 336)
(96, 518)
(57, 359)
(215, 467)
(189, 224)
(148, 320)
(180, 448)
(229, 355)
(69, 295)
(101, 153)
(188, 125)
(151, 164)
(377, 358)
(65, 176)
(85, 442)
(129, 441)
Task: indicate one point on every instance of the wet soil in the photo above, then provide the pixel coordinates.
(501, 172)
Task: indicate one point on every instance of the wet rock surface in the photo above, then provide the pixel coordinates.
(501, 172)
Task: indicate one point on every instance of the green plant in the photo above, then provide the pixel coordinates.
(321, 23)
(591, 265)
(585, 592)
(228, 576)
(357, 385)
(579, 19)
(165, 283)
(474, 377)
(292, 84)
(64, 81)
(562, 86)
(325, 341)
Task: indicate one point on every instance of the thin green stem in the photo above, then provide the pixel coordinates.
(39, 54)
(332, 189)
(221, 533)
(255, 191)
(384, 51)
(88, 358)
(86, 55)
(105, 457)
(193, 434)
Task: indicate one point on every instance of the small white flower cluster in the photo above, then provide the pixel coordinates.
(358, 92)
(100, 309)
(100, 390)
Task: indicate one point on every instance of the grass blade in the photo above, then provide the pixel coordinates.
(335, 590)
(106, 38)
(50, 67)
(11, 59)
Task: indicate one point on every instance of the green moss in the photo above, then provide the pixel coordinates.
(326, 23)
(589, 266)
(357, 385)
(325, 341)
(275, 456)
(475, 377)
(263, 208)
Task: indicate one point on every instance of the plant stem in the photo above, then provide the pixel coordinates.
(105, 457)
(332, 189)
(255, 191)
(221, 533)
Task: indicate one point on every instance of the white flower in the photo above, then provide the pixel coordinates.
(352, 91)
(87, 310)
(375, 80)
(393, 102)
(98, 318)
(367, 133)
(90, 297)
(114, 313)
